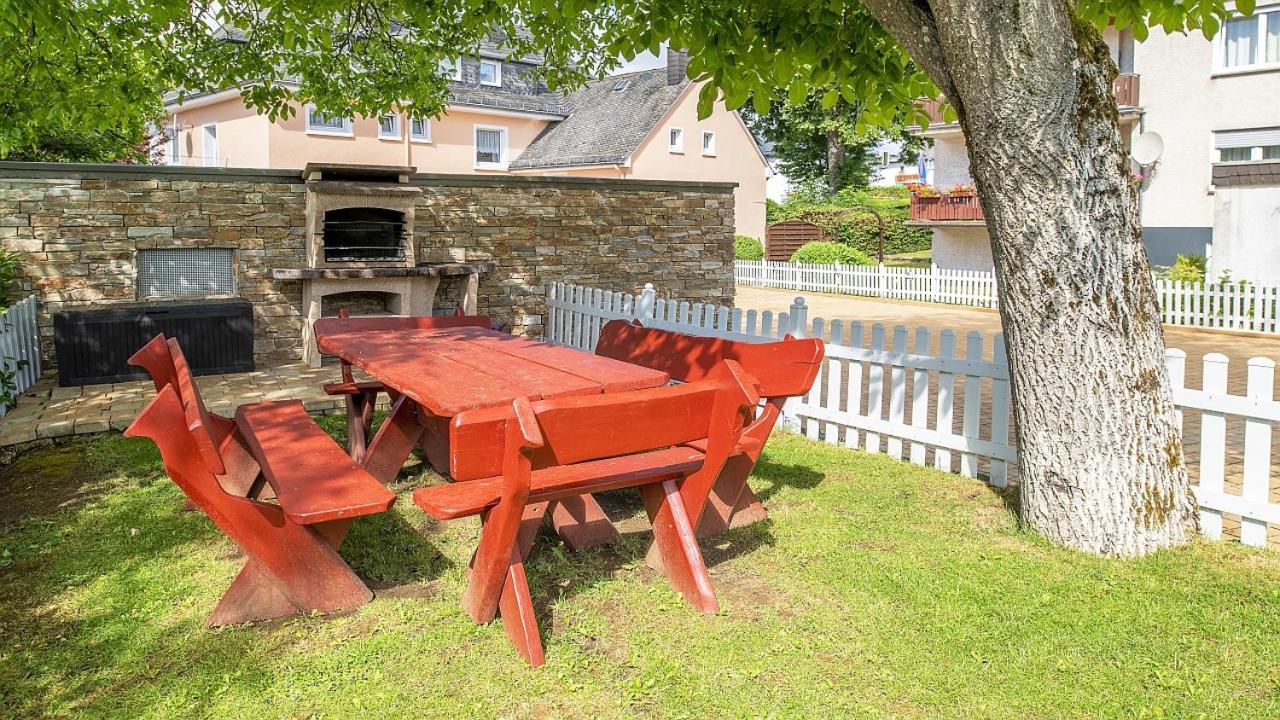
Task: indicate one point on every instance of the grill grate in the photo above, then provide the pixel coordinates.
(363, 234)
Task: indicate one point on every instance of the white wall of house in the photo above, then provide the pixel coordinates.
(962, 248)
(950, 160)
(1247, 234)
(1187, 96)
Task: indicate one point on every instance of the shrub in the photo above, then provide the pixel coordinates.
(747, 248)
(1187, 268)
(9, 263)
(827, 253)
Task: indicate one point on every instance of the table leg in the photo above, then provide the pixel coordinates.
(582, 523)
(396, 438)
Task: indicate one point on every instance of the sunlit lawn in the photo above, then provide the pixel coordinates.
(876, 589)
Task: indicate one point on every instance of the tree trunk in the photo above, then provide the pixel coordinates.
(1100, 452)
(835, 156)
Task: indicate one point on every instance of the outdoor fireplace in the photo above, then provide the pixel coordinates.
(362, 234)
(360, 244)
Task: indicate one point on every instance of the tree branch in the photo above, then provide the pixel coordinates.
(911, 23)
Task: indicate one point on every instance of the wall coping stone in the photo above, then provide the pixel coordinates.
(12, 170)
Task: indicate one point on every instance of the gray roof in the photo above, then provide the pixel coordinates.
(1246, 173)
(550, 103)
(604, 125)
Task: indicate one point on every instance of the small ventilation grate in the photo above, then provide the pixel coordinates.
(186, 272)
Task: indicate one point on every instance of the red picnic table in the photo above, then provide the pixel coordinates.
(433, 374)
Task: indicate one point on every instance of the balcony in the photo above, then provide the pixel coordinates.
(946, 208)
(1125, 90)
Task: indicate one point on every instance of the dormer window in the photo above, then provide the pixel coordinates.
(451, 68)
(491, 73)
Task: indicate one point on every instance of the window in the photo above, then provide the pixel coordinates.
(175, 144)
(211, 145)
(186, 271)
(420, 129)
(451, 68)
(1250, 42)
(389, 126)
(621, 85)
(320, 124)
(708, 143)
(1253, 145)
(675, 141)
(491, 147)
(490, 72)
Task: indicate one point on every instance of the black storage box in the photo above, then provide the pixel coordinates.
(93, 346)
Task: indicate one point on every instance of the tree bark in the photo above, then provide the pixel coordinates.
(1100, 452)
(835, 156)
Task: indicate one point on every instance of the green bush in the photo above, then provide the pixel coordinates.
(9, 263)
(1187, 268)
(747, 248)
(828, 253)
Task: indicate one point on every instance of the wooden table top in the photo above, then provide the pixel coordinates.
(447, 371)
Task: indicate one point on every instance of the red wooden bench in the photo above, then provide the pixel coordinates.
(273, 481)
(782, 369)
(509, 463)
(361, 397)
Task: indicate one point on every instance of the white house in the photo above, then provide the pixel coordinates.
(1214, 189)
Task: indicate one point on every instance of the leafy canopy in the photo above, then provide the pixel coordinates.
(91, 64)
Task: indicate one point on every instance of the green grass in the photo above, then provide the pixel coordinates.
(876, 589)
(916, 259)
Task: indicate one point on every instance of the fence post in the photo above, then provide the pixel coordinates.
(881, 281)
(798, 318)
(646, 302)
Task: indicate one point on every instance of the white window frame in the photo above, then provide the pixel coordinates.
(678, 145)
(396, 133)
(1262, 138)
(457, 68)
(209, 155)
(1263, 17)
(475, 147)
(347, 129)
(420, 138)
(708, 151)
(175, 142)
(497, 72)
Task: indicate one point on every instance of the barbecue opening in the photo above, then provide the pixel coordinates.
(363, 234)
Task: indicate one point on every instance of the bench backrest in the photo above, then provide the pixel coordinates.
(198, 419)
(154, 357)
(164, 422)
(589, 427)
(782, 369)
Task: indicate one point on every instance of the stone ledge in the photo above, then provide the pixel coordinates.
(430, 270)
(80, 171)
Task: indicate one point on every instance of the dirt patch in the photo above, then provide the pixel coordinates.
(44, 480)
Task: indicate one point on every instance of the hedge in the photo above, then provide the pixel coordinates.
(828, 253)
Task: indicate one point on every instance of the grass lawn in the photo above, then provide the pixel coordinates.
(916, 259)
(876, 589)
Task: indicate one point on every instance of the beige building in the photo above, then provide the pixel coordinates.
(1214, 189)
(501, 120)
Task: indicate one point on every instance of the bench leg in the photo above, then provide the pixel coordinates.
(725, 496)
(676, 545)
(308, 575)
(435, 441)
(582, 523)
(749, 510)
(396, 438)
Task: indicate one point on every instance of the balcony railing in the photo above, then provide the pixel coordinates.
(1125, 90)
(947, 207)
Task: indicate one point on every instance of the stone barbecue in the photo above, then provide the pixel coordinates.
(360, 230)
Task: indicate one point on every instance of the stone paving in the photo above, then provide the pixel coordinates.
(49, 411)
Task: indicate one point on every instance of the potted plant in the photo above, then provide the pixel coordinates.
(962, 190)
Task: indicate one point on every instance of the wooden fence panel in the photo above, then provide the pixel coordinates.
(782, 239)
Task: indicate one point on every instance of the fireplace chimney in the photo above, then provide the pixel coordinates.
(677, 64)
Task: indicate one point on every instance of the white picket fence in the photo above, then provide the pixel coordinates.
(1229, 306)
(924, 399)
(20, 345)
(935, 284)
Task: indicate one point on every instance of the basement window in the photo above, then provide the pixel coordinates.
(186, 272)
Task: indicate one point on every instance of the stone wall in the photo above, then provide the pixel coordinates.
(79, 227)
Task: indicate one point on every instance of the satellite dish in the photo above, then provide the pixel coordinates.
(1147, 148)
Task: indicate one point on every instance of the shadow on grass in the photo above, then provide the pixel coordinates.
(779, 476)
